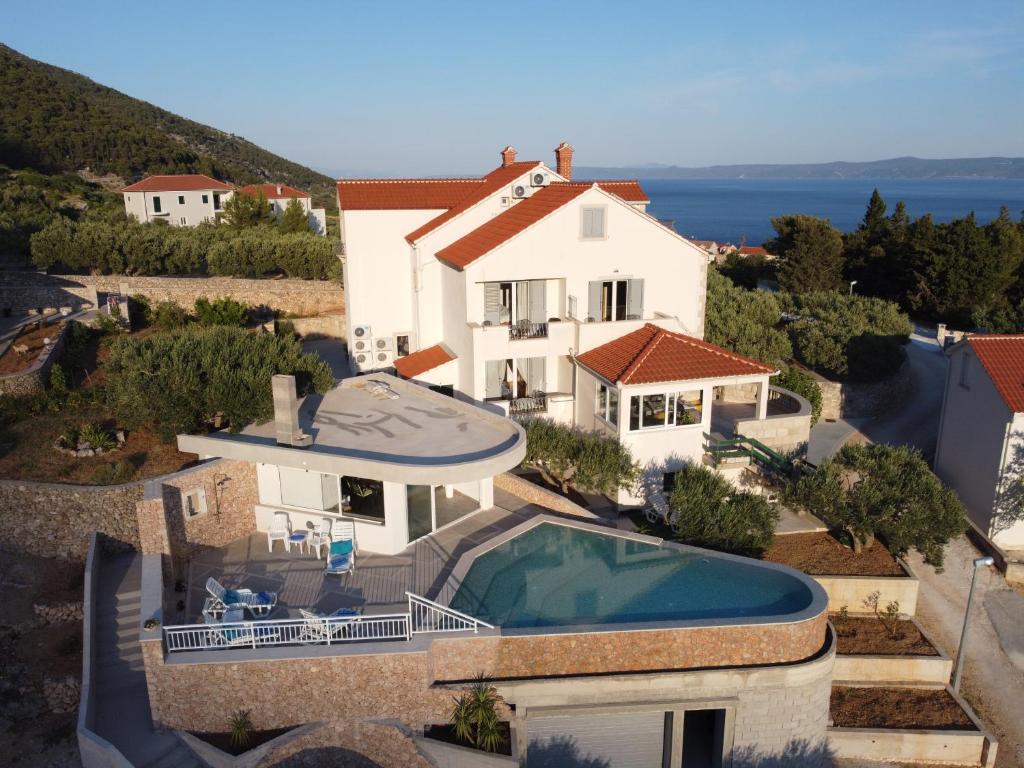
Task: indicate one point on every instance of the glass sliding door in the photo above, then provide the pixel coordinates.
(420, 501)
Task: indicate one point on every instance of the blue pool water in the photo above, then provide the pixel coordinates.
(554, 575)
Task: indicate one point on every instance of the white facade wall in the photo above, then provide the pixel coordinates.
(190, 213)
(977, 439)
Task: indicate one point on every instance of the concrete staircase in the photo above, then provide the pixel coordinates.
(122, 704)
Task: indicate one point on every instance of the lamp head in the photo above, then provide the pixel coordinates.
(984, 561)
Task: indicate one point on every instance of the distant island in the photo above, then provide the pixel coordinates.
(896, 168)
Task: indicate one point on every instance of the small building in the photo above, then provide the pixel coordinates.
(181, 200)
(980, 451)
(279, 196)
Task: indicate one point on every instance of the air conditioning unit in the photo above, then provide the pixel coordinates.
(362, 345)
(361, 332)
(540, 179)
(382, 343)
(383, 358)
(521, 190)
(363, 359)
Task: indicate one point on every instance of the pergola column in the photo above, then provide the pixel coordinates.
(762, 400)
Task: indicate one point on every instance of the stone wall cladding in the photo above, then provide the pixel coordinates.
(783, 725)
(33, 380)
(841, 400)
(457, 659)
(786, 434)
(21, 292)
(384, 744)
(55, 520)
(542, 497)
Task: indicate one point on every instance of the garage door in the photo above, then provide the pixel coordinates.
(631, 740)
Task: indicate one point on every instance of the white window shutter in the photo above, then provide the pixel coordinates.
(594, 308)
(635, 300)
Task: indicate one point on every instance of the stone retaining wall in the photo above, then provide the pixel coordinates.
(787, 433)
(542, 497)
(841, 400)
(21, 292)
(851, 591)
(33, 380)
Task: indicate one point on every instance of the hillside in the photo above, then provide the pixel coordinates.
(895, 168)
(57, 121)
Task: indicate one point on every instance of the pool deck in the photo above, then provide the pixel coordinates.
(379, 582)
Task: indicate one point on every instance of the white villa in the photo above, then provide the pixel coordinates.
(538, 294)
(182, 200)
(278, 197)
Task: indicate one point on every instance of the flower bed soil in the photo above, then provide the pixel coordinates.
(866, 636)
(821, 554)
(913, 708)
(222, 741)
(446, 733)
(13, 362)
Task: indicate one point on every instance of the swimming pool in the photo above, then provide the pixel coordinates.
(554, 574)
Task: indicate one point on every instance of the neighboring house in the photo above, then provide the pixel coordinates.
(499, 287)
(755, 250)
(710, 247)
(278, 197)
(183, 200)
(980, 451)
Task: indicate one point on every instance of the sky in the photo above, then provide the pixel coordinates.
(420, 88)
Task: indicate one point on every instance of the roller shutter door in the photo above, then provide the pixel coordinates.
(628, 740)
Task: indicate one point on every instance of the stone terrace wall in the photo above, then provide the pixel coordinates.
(853, 399)
(24, 291)
(33, 380)
(534, 494)
(55, 520)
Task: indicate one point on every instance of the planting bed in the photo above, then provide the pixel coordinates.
(222, 741)
(446, 733)
(932, 709)
(821, 554)
(13, 362)
(866, 636)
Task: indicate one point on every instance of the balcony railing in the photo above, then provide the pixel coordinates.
(423, 616)
(535, 403)
(525, 329)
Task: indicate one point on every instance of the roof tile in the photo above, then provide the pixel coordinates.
(1002, 356)
(403, 194)
(423, 361)
(186, 182)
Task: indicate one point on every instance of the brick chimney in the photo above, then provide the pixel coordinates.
(508, 156)
(563, 160)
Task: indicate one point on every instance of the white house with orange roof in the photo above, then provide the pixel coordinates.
(501, 287)
(279, 196)
(181, 200)
(980, 450)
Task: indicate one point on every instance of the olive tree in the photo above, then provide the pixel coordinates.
(885, 492)
(588, 461)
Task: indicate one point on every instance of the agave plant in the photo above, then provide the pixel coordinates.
(475, 716)
(240, 727)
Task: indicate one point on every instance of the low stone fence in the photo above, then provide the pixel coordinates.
(880, 668)
(850, 399)
(542, 497)
(33, 380)
(21, 292)
(851, 591)
(787, 432)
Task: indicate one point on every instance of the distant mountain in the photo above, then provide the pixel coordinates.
(897, 168)
(54, 120)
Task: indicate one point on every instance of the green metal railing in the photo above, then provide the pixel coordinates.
(748, 447)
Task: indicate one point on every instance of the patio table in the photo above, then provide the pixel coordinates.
(300, 539)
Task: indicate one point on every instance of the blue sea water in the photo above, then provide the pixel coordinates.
(726, 209)
(555, 575)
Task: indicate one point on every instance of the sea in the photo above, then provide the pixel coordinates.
(728, 210)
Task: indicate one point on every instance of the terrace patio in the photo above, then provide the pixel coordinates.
(377, 586)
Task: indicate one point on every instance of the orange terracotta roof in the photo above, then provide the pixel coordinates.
(423, 361)
(490, 184)
(753, 250)
(650, 355)
(630, 191)
(403, 194)
(508, 224)
(188, 182)
(270, 191)
(1002, 356)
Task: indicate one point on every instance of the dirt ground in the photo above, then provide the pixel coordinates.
(992, 685)
(821, 554)
(878, 707)
(861, 635)
(12, 362)
(37, 654)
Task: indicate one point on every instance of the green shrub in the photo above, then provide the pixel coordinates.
(801, 382)
(96, 436)
(474, 716)
(589, 461)
(710, 512)
(240, 727)
(116, 473)
(139, 309)
(745, 322)
(196, 377)
(224, 311)
(58, 382)
(168, 316)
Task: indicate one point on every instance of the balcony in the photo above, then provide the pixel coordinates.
(531, 404)
(526, 329)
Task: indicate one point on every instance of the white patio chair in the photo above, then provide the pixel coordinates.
(344, 529)
(317, 628)
(220, 635)
(321, 535)
(658, 510)
(257, 603)
(341, 557)
(280, 530)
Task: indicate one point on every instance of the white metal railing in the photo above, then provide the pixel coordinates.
(428, 616)
(271, 632)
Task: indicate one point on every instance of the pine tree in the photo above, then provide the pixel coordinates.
(243, 211)
(294, 219)
(810, 253)
(874, 216)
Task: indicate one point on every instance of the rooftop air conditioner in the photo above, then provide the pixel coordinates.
(361, 332)
(362, 359)
(362, 345)
(539, 179)
(383, 358)
(382, 343)
(520, 190)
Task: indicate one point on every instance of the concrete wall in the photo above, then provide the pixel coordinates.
(188, 213)
(851, 591)
(24, 291)
(852, 399)
(446, 755)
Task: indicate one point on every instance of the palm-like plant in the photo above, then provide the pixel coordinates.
(475, 716)
(240, 725)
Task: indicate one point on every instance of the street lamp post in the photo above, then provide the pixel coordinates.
(958, 672)
(852, 283)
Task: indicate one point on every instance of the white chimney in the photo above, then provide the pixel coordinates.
(286, 413)
(279, 189)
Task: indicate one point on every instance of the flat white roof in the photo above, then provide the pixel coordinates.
(418, 437)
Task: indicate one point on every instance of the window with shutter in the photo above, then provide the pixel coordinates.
(592, 222)
(492, 302)
(635, 300)
(594, 306)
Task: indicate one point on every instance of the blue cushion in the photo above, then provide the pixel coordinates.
(338, 561)
(264, 598)
(342, 547)
(231, 597)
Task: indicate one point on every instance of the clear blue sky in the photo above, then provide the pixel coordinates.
(434, 87)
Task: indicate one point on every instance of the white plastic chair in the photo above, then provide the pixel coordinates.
(321, 535)
(344, 530)
(280, 529)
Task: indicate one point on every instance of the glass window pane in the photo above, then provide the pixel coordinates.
(689, 407)
(653, 413)
(419, 499)
(620, 299)
(329, 492)
(613, 406)
(602, 401)
(634, 412)
(606, 300)
(364, 498)
(300, 488)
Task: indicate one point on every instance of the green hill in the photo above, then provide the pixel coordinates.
(57, 121)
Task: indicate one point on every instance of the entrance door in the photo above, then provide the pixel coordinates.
(420, 503)
(624, 740)
(703, 738)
